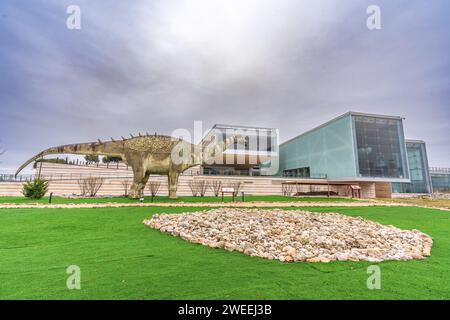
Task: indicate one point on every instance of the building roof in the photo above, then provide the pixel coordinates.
(414, 141)
(239, 127)
(228, 126)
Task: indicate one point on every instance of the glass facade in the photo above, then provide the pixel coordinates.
(380, 147)
(440, 178)
(353, 146)
(326, 152)
(255, 154)
(254, 139)
(418, 170)
(298, 173)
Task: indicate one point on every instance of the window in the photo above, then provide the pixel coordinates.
(379, 146)
(299, 172)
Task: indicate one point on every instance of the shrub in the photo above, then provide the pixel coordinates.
(108, 159)
(54, 160)
(35, 189)
(90, 186)
(92, 158)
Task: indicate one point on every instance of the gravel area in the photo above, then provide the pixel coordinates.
(294, 235)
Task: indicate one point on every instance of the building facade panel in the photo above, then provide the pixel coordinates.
(255, 154)
(380, 147)
(440, 178)
(324, 152)
(352, 147)
(418, 169)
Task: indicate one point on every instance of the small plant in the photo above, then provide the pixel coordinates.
(35, 189)
(215, 186)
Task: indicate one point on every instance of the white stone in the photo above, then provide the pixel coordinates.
(294, 235)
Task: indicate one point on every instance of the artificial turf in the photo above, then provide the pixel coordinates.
(247, 198)
(120, 258)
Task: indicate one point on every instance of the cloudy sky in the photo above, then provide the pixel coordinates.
(159, 65)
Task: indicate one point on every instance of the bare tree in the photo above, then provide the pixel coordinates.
(236, 185)
(154, 187)
(90, 186)
(202, 186)
(126, 187)
(287, 189)
(193, 186)
(94, 184)
(215, 187)
(83, 187)
(298, 189)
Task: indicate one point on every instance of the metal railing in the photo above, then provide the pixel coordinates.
(19, 178)
(436, 170)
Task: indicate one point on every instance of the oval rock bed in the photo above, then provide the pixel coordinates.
(294, 235)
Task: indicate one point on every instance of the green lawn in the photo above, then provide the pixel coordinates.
(248, 198)
(120, 258)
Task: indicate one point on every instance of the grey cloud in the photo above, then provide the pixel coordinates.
(160, 65)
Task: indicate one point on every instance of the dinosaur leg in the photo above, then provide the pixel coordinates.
(173, 183)
(139, 182)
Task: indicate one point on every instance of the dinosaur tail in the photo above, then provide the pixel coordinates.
(81, 148)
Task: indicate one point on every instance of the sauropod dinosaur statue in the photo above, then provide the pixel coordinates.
(145, 154)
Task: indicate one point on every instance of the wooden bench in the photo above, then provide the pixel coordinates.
(232, 192)
(227, 190)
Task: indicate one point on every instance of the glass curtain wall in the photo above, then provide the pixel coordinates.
(380, 147)
(441, 179)
(418, 170)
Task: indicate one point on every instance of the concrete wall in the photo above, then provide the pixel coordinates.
(64, 182)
